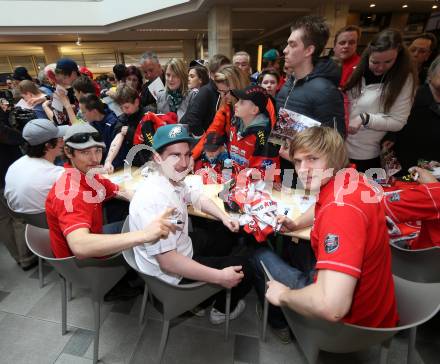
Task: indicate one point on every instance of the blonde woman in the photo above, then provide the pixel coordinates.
(176, 96)
(227, 78)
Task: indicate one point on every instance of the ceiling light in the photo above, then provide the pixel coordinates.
(78, 41)
(372, 5)
(434, 6)
(404, 6)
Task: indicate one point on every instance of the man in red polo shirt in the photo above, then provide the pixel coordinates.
(353, 282)
(74, 204)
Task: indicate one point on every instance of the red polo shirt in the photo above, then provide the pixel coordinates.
(416, 203)
(351, 237)
(75, 202)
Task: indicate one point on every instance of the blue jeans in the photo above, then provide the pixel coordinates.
(281, 272)
(113, 228)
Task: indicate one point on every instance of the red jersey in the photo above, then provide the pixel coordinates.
(416, 203)
(249, 148)
(75, 202)
(211, 173)
(351, 237)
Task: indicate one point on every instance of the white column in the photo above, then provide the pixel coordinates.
(220, 31)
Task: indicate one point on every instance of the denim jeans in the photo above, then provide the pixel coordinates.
(281, 272)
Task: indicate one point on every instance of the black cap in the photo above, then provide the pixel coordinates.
(213, 142)
(21, 73)
(256, 94)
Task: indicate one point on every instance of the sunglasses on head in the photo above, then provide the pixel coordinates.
(84, 137)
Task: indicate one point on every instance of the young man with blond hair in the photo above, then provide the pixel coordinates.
(352, 279)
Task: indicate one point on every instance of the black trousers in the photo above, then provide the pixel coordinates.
(365, 164)
(212, 246)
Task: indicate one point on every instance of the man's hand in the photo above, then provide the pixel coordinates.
(231, 224)
(287, 224)
(354, 125)
(423, 175)
(160, 227)
(231, 276)
(36, 100)
(274, 291)
(63, 98)
(108, 168)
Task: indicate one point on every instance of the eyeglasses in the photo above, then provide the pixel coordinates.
(84, 137)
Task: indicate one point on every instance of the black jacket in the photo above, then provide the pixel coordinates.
(202, 109)
(10, 139)
(316, 95)
(419, 139)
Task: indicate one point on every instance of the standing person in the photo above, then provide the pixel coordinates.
(183, 256)
(352, 280)
(419, 137)
(346, 41)
(242, 60)
(269, 79)
(134, 78)
(311, 75)
(202, 110)
(197, 77)
(421, 49)
(176, 97)
(380, 93)
(152, 69)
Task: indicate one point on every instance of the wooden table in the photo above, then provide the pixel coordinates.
(132, 178)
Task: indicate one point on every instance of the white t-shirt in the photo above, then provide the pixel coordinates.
(153, 196)
(27, 183)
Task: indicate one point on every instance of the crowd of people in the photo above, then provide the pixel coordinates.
(60, 133)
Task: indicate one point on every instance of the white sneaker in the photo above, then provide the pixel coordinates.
(216, 317)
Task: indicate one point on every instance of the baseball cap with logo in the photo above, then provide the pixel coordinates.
(256, 94)
(39, 131)
(82, 136)
(171, 134)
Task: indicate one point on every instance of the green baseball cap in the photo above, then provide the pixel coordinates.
(171, 134)
(271, 55)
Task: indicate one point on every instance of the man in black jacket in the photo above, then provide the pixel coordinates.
(152, 69)
(312, 90)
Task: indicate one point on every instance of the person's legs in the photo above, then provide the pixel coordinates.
(281, 272)
(12, 233)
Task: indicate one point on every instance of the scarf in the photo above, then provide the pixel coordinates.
(175, 99)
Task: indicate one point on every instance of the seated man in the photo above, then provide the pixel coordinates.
(74, 204)
(197, 256)
(353, 280)
(30, 178)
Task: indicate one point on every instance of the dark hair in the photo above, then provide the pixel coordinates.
(202, 73)
(126, 94)
(134, 71)
(217, 61)
(120, 71)
(395, 77)
(92, 102)
(348, 28)
(431, 37)
(84, 84)
(38, 151)
(268, 71)
(315, 33)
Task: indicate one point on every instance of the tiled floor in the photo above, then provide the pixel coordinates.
(30, 331)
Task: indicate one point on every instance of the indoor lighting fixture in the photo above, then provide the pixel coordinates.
(372, 5)
(404, 6)
(78, 41)
(434, 6)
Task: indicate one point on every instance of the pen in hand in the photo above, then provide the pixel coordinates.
(278, 227)
(175, 221)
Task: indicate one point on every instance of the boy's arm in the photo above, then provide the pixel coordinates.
(115, 146)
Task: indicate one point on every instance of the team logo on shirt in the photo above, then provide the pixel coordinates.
(394, 197)
(331, 243)
(175, 131)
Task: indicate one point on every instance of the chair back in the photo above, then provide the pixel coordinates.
(97, 275)
(416, 265)
(38, 220)
(176, 298)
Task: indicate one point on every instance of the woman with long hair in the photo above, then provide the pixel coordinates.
(380, 93)
(228, 78)
(197, 77)
(176, 96)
